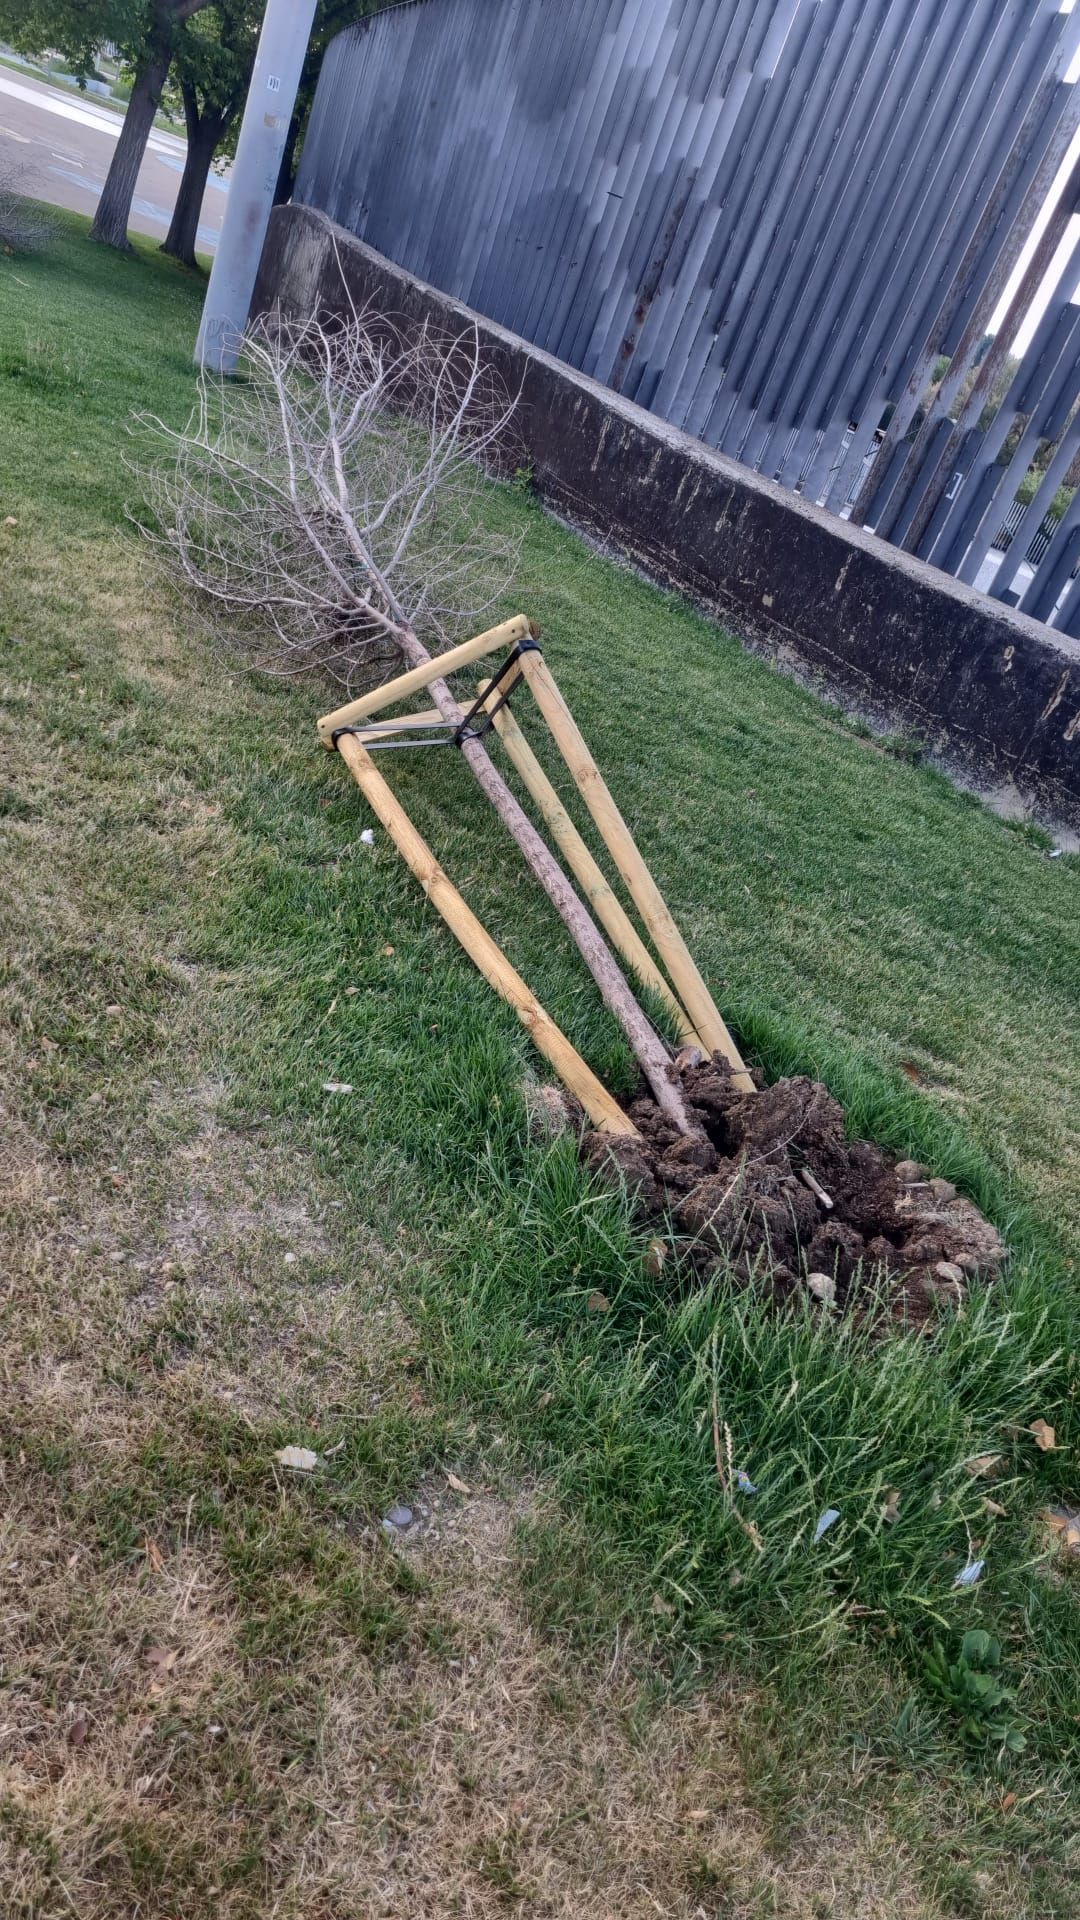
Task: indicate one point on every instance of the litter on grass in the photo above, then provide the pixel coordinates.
(299, 1459)
(968, 1575)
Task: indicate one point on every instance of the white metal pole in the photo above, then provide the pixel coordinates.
(283, 43)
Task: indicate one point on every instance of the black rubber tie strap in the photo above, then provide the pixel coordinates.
(466, 731)
(454, 736)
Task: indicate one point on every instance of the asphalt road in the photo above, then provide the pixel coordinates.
(61, 146)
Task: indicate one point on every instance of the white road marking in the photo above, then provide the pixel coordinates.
(99, 118)
(65, 173)
(165, 150)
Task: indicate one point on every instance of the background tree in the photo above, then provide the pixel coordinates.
(331, 18)
(211, 74)
(75, 28)
(144, 33)
(149, 52)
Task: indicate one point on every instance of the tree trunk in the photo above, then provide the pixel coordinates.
(114, 207)
(649, 1050)
(204, 133)
(286, 179)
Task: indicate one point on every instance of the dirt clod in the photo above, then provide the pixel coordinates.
(773, 1187)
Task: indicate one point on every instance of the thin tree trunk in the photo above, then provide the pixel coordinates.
(114, 208)
(204, 132)
(647, 1045)
(286, 179)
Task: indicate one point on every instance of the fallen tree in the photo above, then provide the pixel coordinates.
(330, 503)
(330, 506)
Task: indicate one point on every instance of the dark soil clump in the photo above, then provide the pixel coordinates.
(772, 1187)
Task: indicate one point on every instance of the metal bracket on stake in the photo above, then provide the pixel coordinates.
(467, 731)
(447, 735)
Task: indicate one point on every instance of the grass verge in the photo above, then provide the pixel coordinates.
(211, 1257)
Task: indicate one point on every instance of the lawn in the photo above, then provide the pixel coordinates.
(577, 1688)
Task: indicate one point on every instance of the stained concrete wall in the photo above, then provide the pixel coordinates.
(993, 694)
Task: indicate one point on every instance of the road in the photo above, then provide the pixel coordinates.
(61, 147)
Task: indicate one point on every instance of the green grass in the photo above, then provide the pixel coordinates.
(858, 919)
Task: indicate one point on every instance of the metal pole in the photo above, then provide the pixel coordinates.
(283, 44)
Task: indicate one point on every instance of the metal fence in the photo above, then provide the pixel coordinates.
(950, 492)
(765, 219)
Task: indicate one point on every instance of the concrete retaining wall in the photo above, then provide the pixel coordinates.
(993, 694)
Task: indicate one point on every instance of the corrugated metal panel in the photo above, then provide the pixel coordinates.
(762, 218)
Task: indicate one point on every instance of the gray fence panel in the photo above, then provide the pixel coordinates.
(889, 278)
(765, 219)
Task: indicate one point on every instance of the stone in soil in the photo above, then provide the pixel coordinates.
(737, 1195)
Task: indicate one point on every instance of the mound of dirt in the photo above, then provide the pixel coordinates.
(772, 1186)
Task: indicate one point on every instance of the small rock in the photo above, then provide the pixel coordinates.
(823, 1286)
(949, 1272)
(656, 1254)
(1064, 1525)
(398, 1519)
(909, 1172)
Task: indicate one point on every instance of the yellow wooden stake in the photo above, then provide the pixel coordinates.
(589, 876)
(640, 884)
(386, 729)
(604, 1112)
(496, 640)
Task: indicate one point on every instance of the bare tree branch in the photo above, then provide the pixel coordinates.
(330, 501)
(25, 225)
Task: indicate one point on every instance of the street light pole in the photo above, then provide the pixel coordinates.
(283, 43)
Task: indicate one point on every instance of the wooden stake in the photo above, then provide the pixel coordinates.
(640, 884)
(603, 1111)
(427, 717)
(496, 640)
(589, 876)
(650, 1050)
(386, 729)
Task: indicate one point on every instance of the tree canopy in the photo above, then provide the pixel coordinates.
(212, 62)
(80, 28)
